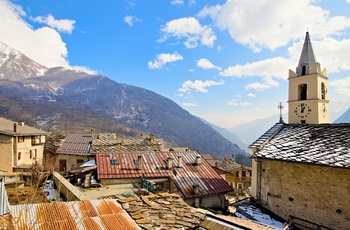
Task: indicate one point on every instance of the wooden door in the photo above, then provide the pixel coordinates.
(62, 165)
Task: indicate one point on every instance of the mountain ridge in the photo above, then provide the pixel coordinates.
(132, 107)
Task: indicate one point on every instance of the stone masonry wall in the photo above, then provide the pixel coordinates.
(316, 193)
(6, 153)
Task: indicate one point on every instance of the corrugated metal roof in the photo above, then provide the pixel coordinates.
(154, 166)
(93, 214)
(3, 199)
(77, 144)
(320, 144)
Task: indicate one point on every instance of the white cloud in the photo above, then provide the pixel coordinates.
(232, 102)
(177, 2)
(257, 86)
(331, 53)
(251, 95)
(13, 29)
(273, 67)
(341, 86)
(191, 30)
(163, 59)
(84, 69)
(245, 104)
(275, 26)
(62, 25)
(235, 102)
(130, 20)
(190, 104)
(206, 64)
(198, 85)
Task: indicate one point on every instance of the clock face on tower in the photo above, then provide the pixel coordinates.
(302, 110)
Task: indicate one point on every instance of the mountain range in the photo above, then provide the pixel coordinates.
(58, 99)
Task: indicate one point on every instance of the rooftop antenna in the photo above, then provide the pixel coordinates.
(280, 107)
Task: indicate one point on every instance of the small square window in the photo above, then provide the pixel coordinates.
(114, 162)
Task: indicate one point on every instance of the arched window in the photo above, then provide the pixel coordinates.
(323, 91)
(303, 69)
(302, 91)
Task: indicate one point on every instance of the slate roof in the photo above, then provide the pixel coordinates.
(7, 127)
(154, 166)
(77, 144)
(319, 144)
(126, 144)
(86, 214)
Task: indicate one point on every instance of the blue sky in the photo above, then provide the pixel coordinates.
(224, 61)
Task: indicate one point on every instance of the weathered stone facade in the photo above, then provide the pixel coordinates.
(319, 194)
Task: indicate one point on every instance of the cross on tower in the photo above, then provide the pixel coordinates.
(280, 107)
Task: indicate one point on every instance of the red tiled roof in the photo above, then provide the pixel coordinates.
(77, 144)
(154, 166)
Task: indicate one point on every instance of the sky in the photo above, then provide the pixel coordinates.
(226, 61)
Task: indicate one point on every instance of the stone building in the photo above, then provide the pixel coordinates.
(20, 146)
(184, 173)
(301, 170)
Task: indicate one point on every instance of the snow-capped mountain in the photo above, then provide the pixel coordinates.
(16, 66)
(72, 98)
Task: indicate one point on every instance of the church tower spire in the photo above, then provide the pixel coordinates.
(308, 99)
(307, 57)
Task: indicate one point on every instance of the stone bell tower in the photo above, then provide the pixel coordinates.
(308, 99)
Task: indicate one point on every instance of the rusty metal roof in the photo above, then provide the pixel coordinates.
(77, 144)
(154, 166)
(86, 214)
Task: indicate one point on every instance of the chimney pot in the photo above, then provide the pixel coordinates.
(169, 163)
(139, 162)
(179, 164)
(196, 189)
(198, 160)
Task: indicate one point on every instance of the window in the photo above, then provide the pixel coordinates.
(36, 140)
(35, 153)
(302, 92)
(243, 174)
(19, 156)
(303, 70)
(323, 91)
(21, 139)
(30, 154)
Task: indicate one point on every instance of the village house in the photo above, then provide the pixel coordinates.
(82, 147)
(236, 175)
(20, 146)
(301, 170)
(185, 173)
(75, 149)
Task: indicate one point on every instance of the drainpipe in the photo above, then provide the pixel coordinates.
(15, 145)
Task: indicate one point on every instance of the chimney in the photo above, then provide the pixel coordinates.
(179, 162)
(139, 162)
(21, 123)
(15, 127)
(198, 160)
(169, 163)
(196, 189)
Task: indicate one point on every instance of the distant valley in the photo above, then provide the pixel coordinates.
(58, 99)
